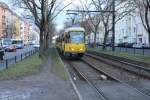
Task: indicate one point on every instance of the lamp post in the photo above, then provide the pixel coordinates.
(113, 25)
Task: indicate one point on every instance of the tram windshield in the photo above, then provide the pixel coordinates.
(77, 37)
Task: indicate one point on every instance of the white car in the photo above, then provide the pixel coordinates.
(140, 45)
(36, 45)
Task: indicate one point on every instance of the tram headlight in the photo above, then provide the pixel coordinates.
(72, 49)
(81, 49)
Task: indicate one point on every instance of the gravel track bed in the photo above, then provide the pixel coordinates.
(132, 68)
(112, 90)
(117, 72)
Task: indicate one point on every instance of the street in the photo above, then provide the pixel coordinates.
(75, 49)
(9, 55)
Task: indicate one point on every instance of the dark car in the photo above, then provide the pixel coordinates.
(2, 51)
(7, 44)
(18, 43)
(125, 44)
(10, 48)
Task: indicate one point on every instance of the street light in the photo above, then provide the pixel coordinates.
(113, 26)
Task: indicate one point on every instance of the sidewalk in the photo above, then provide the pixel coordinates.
(43, 86)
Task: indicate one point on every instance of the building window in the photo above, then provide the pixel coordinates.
(134, 29)
(134, 40)
(140, 40)
(129, 30)
(122, 31)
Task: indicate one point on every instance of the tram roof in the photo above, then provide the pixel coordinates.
(74, 29)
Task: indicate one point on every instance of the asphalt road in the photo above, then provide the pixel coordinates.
(9, 55)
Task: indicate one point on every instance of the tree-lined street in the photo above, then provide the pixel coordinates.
(75, 49)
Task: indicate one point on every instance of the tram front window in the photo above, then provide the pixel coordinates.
(77, 37)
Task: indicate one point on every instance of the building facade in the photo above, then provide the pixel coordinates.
(24, 30)
(9, 23)
(130, 30)
(34, 34)
(2, 19)
(16, 34)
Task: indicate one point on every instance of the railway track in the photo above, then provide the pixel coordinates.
(95, 72)
(139, 63)
(140, 71)
(89, 80)
(125, 71)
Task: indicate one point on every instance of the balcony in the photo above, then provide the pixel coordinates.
(139, 34)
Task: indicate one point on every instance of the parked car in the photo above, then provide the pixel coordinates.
(141, 45)
(36, 45)
(146, 46)
(2, 51)
(125, 44)
(7, 44)
(32, 42)
(18, 43)
(10, 48)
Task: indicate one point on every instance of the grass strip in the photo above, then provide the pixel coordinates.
(57, 65)
(136, 57)
(30, 65)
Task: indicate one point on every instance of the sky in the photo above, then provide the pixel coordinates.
(59, 20)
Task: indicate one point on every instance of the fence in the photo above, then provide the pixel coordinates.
(140, 51)
(4, 64)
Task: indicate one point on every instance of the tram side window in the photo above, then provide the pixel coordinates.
(67, 38)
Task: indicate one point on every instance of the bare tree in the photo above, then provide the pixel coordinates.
(90, 21)
(43, 12)
(123, 8)
(143, 9)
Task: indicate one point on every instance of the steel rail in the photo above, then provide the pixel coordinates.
(126, 84)
(88, 81)
(126, 63)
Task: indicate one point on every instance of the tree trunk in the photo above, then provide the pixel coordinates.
(105, 40)
(47, 40)
(94, 45)
(149, 36)
(41, 49)
(46, 37)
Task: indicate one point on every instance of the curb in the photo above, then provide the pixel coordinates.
(71, 80)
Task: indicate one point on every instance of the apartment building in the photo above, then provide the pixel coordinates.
(2, 19)
(9, 23)
(130, 30)
(34, 33)
(24, 30)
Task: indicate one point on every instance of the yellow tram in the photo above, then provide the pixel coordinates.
(72, 42)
